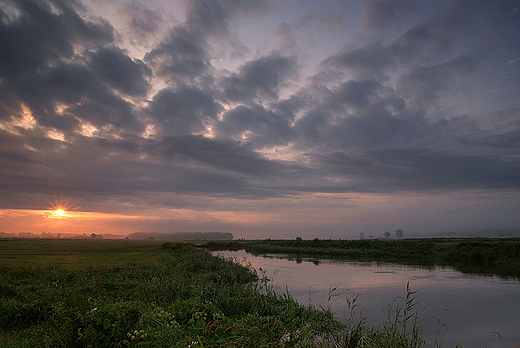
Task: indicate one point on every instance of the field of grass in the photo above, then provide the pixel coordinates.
(91, 293)
(499, 256)
(78, 254)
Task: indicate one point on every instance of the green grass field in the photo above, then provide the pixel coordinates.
(119, 293)
(79, 253)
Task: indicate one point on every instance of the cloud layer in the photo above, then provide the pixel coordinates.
(401, 97)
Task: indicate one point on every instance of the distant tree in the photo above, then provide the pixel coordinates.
(298, 239)
(362, 235)
(387, 234)
(399, 233)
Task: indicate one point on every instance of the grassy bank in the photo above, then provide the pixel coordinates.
(133, 294)
(484, 255)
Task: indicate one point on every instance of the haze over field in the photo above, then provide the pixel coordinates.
(262, 118)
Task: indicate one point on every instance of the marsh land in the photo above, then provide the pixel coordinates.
(117, 293)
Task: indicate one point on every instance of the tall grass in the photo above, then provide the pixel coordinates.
(400, 329)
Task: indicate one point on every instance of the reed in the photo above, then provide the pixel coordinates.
(401, 329)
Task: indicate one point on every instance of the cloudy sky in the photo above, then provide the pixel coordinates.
(264, 118)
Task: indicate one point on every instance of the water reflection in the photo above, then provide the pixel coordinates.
(455, 307)
(504, 271)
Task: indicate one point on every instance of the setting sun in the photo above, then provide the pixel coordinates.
(58, 214)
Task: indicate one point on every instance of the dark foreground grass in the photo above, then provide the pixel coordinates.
(180, 297)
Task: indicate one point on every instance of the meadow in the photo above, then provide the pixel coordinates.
(118, 293)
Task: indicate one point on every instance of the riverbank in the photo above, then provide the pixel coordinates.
(500, 256)
(159, 295)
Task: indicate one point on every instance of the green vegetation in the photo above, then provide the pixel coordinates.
(78, 254)
(145, 294)
(485, 255)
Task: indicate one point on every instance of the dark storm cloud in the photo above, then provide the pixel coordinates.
(213, 17)
(8, 102)
(309, 33)
(61, 84)
(120, 71)
(256, 125)
(259, 78)
(81, 94)
(93, 168)
(436, 36)
(13, 152)
(143, 20)
(54, 59)
(365, 118)
(37, 53)
(422, 169)
(331, 107)
(107, 109)
(183, 111)
(367, 121)
(378, 127)
(182, 54)
(370, 59)
(214, 20)
(86, 86)
(379, 15)
(222, 154)
(30, 175)
(504, 136)
(85, 170)
(321, 22)
(39, 36)
(425, 84)
(208, 17)
(357, 94)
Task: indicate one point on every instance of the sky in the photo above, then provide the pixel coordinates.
(263, 118)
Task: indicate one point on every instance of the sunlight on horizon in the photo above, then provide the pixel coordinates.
(59, 213)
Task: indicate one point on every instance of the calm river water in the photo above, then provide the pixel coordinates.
(455, 308)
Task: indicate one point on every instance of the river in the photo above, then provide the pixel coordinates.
(471, 310)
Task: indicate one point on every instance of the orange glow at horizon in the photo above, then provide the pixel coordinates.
(68, 222)
(61, 212)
